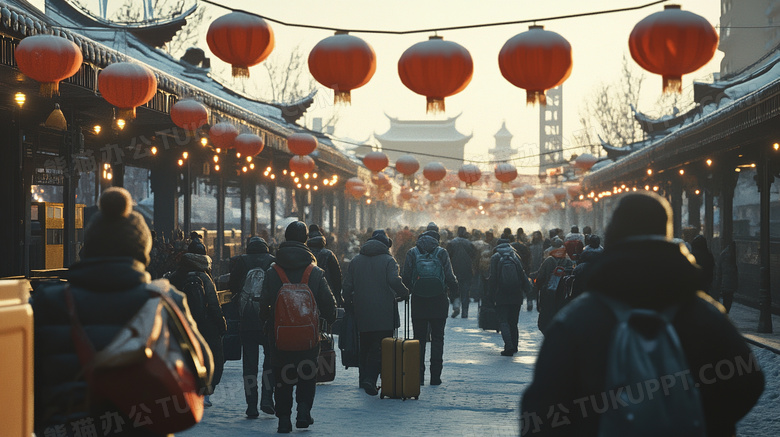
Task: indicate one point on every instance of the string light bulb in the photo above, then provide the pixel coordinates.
(20, 98)
(709, 163)
(181, 162)
(97, 128)
(185, 155)
(682, 172)
(204, 141)
(154, 150)
(121, 123)
(776, 146)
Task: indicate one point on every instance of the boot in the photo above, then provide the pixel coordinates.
(530, 305)
(251, 412)
(455, 308)
(206, 401)
(285, 425)
(304, 419)
(369, 388)
(267, 402)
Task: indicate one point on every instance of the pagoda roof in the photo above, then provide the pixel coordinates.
(423, 131)
(503, 132)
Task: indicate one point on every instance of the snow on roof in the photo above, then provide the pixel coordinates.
(436, 131)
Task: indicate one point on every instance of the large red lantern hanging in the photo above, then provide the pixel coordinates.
(189, 114)
(407, 165)
(536, 60)
(248, 144)
(407, 193)
(343, 63)
(355, 187)
(436, 69)
(469, 173)
(585, 161)
(506, 172)
(375, 161)
(380, 180)
(48, 59)
(242, 40)
(671, 43)
(302, 164)
(126, 86)
(301, 144)
(223, 135)
(351, 182)
(434, 171)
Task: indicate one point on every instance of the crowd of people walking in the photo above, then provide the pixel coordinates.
(286, 298)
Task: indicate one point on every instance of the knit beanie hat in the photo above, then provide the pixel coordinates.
(296, 231)
(117, 230)
(639, 214)
(432, 227)
(381, 236)
(314, 231)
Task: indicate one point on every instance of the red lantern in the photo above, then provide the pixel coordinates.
(380, 179)
(242, 40)
(469, 173)
(436, 69)
(530, 190)
(223, 135)
(301, 144)
(434, 171)
(506, 172)
(342, 62)
(248, 144)
(672, 43)
(351, 182)
(302, 164)
(189, 114)
(585, 161)
(358, 191)
(407, 193)
(48, 59)
(375, 161)
(574, 190)
(536, 60)
(126, 86)
(518, 193)
(407, 165)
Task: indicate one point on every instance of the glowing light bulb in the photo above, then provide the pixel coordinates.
(181, 162)
(154, 150)
(185, 155)
(20, 98)
(121, 123)
(709, 163)
(204, 141)
(97, 129)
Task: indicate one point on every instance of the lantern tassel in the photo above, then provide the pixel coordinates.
(344, 97)
(533, 97)
(126, 113)
(240, 71)
(435, 105)
(50, 89)
(672, 84)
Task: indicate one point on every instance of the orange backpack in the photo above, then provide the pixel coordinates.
(296, 316)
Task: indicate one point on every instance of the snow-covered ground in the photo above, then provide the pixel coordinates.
(480, 395)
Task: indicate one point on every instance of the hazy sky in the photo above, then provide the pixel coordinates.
(598, 45)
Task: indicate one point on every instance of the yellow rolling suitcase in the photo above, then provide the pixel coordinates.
(401, 365)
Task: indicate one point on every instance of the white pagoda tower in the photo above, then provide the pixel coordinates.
(427, 140)
(503, 151)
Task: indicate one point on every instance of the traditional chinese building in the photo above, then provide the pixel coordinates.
(503, 151)
(427, 140)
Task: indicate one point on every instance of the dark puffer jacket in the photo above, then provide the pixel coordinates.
(650, 274)
(326, 260)
(107, 292)
(210, 320)
(435, 307)
(257, 255)
(464, 257)
(501, 295)
(372, 286)
(294, 257)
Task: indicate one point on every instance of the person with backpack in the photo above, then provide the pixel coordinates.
(247, 274)
(588, 257)
(427, 273)
(109, 285)
(548, 281)
(574, 243)
(637, 353)
(327, 261)
(193, 278)
(295, 296)
(507, 285)
(464, 257)
(372, 288)
(706, 261)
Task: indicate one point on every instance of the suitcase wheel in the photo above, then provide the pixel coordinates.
(381, 396)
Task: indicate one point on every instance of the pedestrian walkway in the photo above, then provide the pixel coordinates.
(745, 318)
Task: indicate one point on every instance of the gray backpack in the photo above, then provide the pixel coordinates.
(649, 386)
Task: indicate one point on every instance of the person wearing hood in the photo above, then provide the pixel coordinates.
(295, 368)
(109, 286)
(589, 255)
(464, 257)
(557, 258)
(506, 288)
(372, 288)
(327, 261)
(208, 314)
(251, 329)
(429, 310)
(643, 269)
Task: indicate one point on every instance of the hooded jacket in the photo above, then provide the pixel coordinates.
(435, 307)
(293, 257)
(257, 255)
(210, 319)
(654, 274)
(372, 286)
(107, 292)
(500, 295)
(464, 257)
(326, 260)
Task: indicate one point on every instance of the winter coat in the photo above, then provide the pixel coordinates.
(257, 255)
(524, 253)
(293, 257)
(705, 260)
(463, 256)
(583, 269)
(372, 286)
(537, 256)
(326, 260)
(498, 294)
(435, 307)
(210, 319)
(557, 258)
(572, 361)
(107, 293)
(726, 274)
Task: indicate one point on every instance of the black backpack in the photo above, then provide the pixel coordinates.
(508, 276)
(196, 296)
